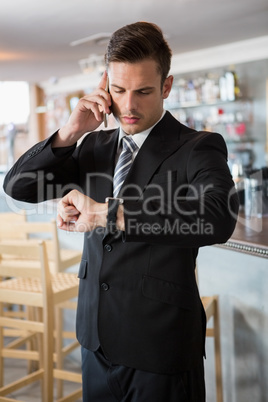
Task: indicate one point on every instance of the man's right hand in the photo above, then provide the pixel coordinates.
(86, 117)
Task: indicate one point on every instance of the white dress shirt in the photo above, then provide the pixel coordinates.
(138, 138)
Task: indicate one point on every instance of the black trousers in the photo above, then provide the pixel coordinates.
(106, 382)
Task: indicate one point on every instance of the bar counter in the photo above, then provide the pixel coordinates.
(250, 237)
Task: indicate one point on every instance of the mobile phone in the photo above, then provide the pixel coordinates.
(105, 115)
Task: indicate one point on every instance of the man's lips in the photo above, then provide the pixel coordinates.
(131, 119)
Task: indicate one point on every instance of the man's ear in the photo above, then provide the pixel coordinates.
(167, 86)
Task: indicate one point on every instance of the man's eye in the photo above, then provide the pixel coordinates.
(145, 92)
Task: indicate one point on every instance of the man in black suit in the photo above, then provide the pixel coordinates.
(140, 319)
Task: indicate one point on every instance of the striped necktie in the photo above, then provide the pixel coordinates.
(124, 163)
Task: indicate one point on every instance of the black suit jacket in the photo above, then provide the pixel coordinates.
(138, 296)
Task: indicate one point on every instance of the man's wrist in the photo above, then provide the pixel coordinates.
(101, 215)
(64, 138)
(120, 222)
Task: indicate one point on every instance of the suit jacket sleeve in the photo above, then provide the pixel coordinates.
(200, 210)
(34, 177)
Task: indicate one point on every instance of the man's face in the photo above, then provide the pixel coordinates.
(137, 96)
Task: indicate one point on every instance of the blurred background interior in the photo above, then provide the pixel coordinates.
(51, 54)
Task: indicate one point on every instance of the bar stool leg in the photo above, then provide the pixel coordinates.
(217, 346)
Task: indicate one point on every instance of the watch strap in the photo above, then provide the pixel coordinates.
(113, 204)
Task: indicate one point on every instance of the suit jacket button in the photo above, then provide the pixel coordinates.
(105, 286)
(108, 247)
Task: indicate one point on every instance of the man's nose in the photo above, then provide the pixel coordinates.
(131, 102)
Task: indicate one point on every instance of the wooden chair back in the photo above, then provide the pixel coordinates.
(10, 218)
(60, 259)
(31, 231)
(34, 286)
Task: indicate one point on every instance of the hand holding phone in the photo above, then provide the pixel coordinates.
(105, 115)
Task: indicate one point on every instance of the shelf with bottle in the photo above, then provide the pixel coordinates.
(171, 105)
(209, 90)
(213, 103)
(234, 123)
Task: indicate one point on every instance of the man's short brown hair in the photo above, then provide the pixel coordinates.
(136, 42)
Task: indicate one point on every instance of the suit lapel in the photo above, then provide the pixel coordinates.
(104, 153)
(162, 142)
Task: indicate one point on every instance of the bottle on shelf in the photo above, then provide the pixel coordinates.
(229, 87)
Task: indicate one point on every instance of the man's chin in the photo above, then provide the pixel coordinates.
(131, 129)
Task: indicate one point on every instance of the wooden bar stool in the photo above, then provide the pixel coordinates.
(37, 287)
(211, 306)
(59, 261)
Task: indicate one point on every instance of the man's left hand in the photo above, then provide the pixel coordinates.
(80, 213)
